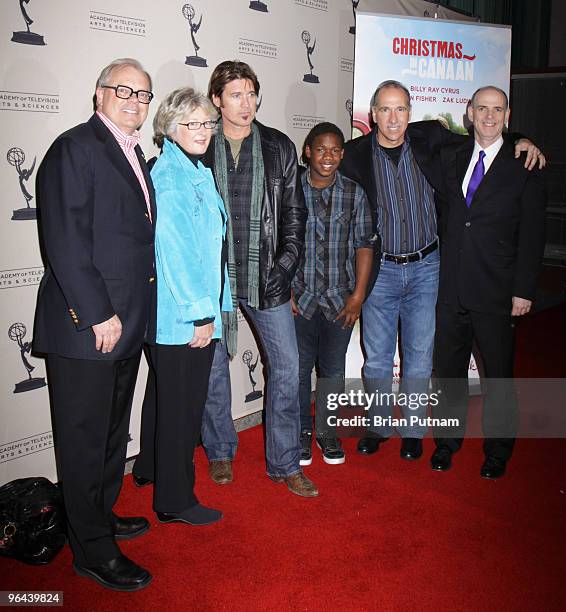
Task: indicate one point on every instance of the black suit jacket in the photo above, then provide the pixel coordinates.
(493, 250)
(98, 243)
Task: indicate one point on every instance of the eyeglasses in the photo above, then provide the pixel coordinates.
(125, 92)
(195, 125)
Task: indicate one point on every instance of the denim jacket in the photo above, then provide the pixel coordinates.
(191, 224)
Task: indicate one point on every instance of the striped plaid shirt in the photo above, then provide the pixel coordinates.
(240, 195)
(339, 222)
(128, 145)
(406, 216)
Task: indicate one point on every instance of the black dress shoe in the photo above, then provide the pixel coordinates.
(119, 574)
(197, 515)
(493, 468)
(140, 481)
(441, 459)
(370, 444)
(128, 527)
(411, 448)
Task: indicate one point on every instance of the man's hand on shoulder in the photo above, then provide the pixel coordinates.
(534, 154)
(520, 306)
(107, 334)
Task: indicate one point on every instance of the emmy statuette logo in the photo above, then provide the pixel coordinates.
(193, 60)
(247, 359)
(28, 37)
(350, 108)
(306, 37)
(256, 5)
(16, 157)
(355, 3)
(17, 333)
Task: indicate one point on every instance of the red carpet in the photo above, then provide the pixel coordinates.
(384, 534)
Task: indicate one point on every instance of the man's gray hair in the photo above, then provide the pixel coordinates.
(485, 88)
(385, 85)
(104, 77)
(174, 108)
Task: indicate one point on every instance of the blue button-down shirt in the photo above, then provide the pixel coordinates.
(406, 216)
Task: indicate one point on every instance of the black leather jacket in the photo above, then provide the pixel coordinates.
(283, 216)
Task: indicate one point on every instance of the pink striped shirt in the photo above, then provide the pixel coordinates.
(128, 144)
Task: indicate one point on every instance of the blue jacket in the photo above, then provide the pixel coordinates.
(191, 224)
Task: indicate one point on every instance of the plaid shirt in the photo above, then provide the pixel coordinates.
(339, 222)
(240, 193)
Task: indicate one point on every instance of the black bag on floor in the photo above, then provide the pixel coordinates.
(32, 520)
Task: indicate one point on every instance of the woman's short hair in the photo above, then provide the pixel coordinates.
(174, 108)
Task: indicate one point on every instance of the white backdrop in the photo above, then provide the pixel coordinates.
(47, 81)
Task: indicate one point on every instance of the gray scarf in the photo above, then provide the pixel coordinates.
(230, 319)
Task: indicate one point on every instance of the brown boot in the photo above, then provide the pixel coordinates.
(298, 484)
(221, 471)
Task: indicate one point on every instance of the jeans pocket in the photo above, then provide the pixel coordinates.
(432, 260)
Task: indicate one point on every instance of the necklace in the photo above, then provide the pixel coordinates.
(309, 181)
(235, 149)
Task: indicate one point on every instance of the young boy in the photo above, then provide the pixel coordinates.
(331, 280)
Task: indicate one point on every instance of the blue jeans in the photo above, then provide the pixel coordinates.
(218, 433)
(407, 292)
(276, 332)
(323, 341)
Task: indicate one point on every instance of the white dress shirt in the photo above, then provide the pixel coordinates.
(490, 153)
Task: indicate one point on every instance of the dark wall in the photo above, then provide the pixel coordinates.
(557, 49)
(530, 20)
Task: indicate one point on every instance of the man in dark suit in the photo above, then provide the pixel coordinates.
(491, 253)
(97, 206)
(398, 165)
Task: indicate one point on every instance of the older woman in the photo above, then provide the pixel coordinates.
(192, 289)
